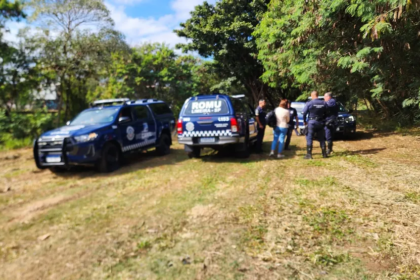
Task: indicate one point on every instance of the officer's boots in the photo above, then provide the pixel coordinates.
(330, 148)
(308, 152)
(324, 152)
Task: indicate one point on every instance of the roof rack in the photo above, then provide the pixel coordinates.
(147, 100)
(238, 96)
(110, 102)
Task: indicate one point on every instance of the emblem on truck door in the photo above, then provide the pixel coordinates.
(130, 133)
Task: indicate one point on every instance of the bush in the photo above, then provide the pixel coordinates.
(7, 142)
(22, 126)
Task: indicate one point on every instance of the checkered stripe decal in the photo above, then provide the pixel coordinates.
(207, 133)
(139, 145)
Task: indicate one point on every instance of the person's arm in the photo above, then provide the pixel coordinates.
(305, 112)
(297, 119)
(257, 118)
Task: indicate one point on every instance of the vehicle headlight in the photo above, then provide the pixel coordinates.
(86, 137)
(350, 119)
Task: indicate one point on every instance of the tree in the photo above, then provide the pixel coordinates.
(19, 77)
(10, 57)
(150, 71)
(224, 32)
(357, 49)
(75, 45)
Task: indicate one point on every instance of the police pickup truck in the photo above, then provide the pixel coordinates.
(215, 121)
(102, 134)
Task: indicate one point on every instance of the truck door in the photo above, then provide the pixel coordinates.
(128, 128)
(147, 126)
(253, 131)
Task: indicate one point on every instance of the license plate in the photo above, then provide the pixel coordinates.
(53, 159)
(208, 140)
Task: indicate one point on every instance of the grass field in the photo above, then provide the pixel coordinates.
(355, 215)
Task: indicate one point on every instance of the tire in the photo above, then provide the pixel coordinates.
(196, 152)
(164, 146)
(110, 159)
(244, 149)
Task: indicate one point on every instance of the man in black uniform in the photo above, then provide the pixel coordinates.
(331, 120)
(314, 115)
(293, 124)
(260, 117)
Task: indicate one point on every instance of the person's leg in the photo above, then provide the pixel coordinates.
(260, 137)
(321, 138)
(309, 140)
(282, 136)
(288, 138)
(276, 133)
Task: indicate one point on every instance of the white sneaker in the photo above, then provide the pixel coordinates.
(280, 156)
(271, 154)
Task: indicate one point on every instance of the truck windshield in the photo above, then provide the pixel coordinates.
(342, 108)
(99, 116)
(206, 107)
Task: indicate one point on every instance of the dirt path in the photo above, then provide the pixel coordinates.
(355, 215)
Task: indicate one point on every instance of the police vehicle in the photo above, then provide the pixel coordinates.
(102, 134)
(299, 108)
(346, 122)
(215, 121)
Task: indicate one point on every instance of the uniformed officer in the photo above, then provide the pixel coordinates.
(314, 115)
(331, 120)
(293, 124)
(260, 117)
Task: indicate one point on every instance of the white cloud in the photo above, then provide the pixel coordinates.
(13, 27)
(128, 2)
(183, 8)
(141, 30)
(138, 30)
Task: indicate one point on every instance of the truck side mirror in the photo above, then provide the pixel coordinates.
(68, 123)
(124, 120)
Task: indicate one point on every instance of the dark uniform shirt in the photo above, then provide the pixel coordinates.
(293, 114)
(332, 109)
(259, 112)
(315, 110)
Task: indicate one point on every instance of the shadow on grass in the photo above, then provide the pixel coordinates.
(228, 154)
(360, 152)
(132, 162)
(359, 135)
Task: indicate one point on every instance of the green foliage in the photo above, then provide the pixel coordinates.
(75, 59)
(357, 49)
(8, 142)
(224, 32)
(22, 126)
(150, 71)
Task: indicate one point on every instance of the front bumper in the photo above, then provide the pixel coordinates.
(219, 141)
(346, 128)
(64, 153)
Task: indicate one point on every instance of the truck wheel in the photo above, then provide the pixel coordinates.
(110, 160)
(164, 146)
(196, 151)
(244, 148)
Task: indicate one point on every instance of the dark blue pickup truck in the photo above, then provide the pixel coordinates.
(217, 121)
(102, 134)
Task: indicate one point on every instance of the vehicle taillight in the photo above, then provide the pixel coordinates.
(234, 125)
(179, 126)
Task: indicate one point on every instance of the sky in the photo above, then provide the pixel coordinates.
(141, 20)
